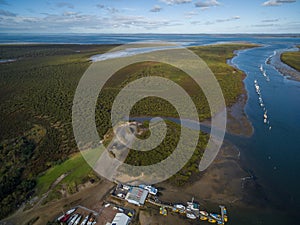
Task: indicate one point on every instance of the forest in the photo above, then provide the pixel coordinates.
(37, 87)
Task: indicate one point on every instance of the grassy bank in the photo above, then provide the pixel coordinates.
(292, 59)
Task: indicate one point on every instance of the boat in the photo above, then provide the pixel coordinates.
(204, 213)
(211, 220)
(203, 217)
(91, 221)
(71, 211)
(85, 220)
(152, 190)
(261, 68)
(225, 218)
(65, 217)
(179, 206)
(74, 217)
(264, 73)
(215, 216)
(163, 211)
(191, 216)
(77, 220)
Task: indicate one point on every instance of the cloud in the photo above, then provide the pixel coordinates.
(216, 21)
(190, 14)
(65, 4)
(156, 8)
(100, 6)
(177, 2)
(69, 13)
(7, 13)
(79, 22)
(207, 4)
(228, 19)
(111, 10)
(270, 21)
(277, 2)
(265, 25)
(3, 2)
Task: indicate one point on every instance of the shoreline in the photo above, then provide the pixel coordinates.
(284, 69)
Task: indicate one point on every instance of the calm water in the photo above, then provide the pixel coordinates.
(273, 154)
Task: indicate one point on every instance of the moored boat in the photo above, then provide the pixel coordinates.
(191, 216)
(212, 220)
(204, 213)
(203, 217)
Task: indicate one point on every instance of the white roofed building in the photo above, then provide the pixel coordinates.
(137, 196)
(120, 219)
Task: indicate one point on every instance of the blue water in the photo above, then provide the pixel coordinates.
(272, 154)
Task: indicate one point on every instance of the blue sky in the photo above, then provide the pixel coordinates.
(150, 16)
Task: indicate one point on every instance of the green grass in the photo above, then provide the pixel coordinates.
(76, 168)
(292, 59)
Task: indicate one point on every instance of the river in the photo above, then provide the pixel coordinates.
(273, 151)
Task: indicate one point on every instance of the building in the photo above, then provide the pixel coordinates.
(136, 196)
(120, 219)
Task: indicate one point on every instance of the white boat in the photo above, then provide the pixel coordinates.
(204, 213)
(265, 115)
(179, 206)
(85, 220)
(215, 216)
(261, 67)
(71, 211)
(264, 73)
(74, 217)
(77, 220)
(191, 216)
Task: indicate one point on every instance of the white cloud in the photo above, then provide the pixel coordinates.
(216, 21)
(270, 20)
(207, 4)
(173, 2)
(190, 14)
(156, 8)
(277, 2)
(228, 19)
(78, 22)
(110, 10)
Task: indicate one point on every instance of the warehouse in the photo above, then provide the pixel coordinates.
(136, 196)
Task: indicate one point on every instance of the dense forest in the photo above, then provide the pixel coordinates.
(36, 94)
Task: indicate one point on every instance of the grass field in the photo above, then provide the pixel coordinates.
(292, 59)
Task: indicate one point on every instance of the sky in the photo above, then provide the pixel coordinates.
(150, 16)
